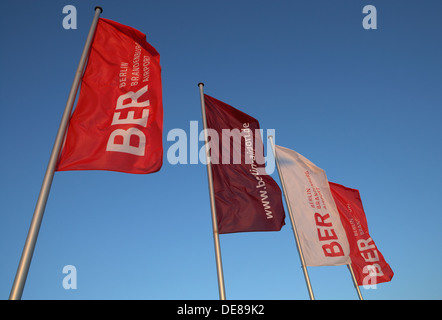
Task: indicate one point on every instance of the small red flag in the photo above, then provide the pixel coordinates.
(118, 122)
(246, 198)
(368, 262)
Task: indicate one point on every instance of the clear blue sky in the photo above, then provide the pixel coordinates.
(364, 105)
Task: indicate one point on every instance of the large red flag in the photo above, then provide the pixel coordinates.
(118, 122)
(246, 198)
(368, 262)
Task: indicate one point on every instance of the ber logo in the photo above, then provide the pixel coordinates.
(132, 140)
(327, 233)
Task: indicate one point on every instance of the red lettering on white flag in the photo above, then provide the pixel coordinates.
(320, 230)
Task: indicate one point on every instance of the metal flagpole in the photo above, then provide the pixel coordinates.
(292, 220)
(219, 265)
(31, 239)
(350, 268)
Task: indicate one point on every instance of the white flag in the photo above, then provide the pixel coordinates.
(321, 233)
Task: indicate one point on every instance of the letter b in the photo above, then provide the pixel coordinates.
(333, 249)
(125, 146)
(370, 280)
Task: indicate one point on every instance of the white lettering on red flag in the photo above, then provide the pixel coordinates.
(118, 122)
(368, 263)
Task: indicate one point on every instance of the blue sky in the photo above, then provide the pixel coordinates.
(364, 105)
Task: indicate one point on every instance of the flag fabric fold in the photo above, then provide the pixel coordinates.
(321, 233)
(368, 262)
(118, 121)
(246, 198)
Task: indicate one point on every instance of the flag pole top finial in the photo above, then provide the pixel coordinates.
(98, 7)
(201, 84)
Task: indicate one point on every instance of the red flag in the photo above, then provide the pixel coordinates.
(118, 122)
(246, 198)
(368, 263)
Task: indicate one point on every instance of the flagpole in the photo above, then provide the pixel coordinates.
(31, 239)
(219, 266)
(355, 282)
(292, 220)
